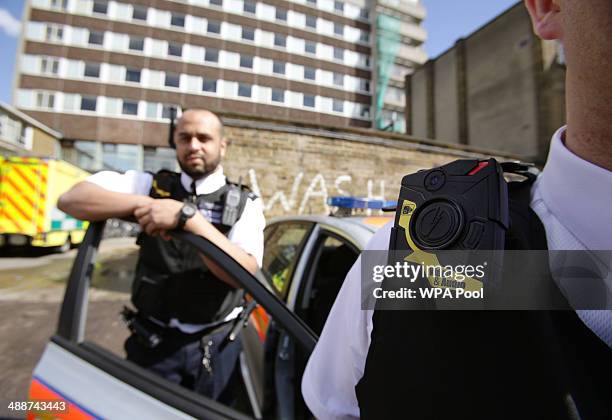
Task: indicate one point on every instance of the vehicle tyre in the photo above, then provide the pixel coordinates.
(65, 247)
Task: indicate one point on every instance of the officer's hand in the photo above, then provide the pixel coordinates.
(158, 216)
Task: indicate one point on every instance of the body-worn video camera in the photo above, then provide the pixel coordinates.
(459, 206)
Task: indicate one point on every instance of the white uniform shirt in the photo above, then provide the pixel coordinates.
(247, 232)
(338, 360)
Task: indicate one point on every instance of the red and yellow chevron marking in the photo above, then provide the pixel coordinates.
(260, 320)
(22, 208)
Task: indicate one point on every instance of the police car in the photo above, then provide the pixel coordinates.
(305, 261)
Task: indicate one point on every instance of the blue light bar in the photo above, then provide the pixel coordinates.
(359, 203)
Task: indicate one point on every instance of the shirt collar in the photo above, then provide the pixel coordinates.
(209, 184)
(577, 192)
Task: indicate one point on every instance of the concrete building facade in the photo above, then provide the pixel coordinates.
(22, 135)
(106, 72)
(500, 88)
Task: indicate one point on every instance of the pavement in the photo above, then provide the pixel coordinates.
(31, 292)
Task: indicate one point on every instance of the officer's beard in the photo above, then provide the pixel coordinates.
(202, 170)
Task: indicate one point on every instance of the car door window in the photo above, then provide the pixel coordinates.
(283, 245)
(331, 260)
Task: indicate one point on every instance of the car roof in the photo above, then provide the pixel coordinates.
(359, 228)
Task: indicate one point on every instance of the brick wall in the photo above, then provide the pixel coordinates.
(294, 170)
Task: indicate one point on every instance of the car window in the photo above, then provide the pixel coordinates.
(94, 330)
(281, 251)
(330, 261)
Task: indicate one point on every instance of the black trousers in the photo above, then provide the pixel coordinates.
(180, 359)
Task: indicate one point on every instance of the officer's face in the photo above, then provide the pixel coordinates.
(199, 143)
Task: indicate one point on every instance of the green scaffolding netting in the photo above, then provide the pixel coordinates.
(388, 40)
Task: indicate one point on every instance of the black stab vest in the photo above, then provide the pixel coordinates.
(171, 279)
(487, 364)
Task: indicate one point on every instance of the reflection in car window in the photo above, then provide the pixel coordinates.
(281, 251)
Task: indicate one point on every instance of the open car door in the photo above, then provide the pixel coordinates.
(96, 383)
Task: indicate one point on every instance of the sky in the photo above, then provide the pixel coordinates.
(447, 20)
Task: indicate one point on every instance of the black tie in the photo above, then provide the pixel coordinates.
(193, 191)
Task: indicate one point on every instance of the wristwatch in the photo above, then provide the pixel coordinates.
(187, 211)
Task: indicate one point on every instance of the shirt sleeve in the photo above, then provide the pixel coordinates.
(130, 182)
(338, 360)
(247, 233)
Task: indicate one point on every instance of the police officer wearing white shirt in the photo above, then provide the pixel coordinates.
(570, 197)
(183, 299)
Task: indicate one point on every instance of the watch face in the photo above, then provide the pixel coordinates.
(189, 211)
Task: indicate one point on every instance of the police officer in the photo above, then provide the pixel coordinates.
(355, 370)
(184, 302)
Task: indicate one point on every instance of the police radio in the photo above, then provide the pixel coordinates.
(231, 206)
(459, 206)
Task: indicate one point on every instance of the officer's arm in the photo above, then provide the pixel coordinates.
(88, 201)
(199, 226)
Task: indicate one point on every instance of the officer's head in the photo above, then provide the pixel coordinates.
(199, 141)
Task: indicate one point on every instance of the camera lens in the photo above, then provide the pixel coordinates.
(434, 180)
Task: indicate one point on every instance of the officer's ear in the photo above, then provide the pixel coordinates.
(223, 146)
(546, 18)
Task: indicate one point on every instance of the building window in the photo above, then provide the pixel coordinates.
(280, 40)
(166, 111)
(248, 34)
(88, 103)
(338, 105)
(365, 112)
(177, 19)
(249, 7)
(338, 53)
(130, 108)
(338, 6)
(278, 67)
(209, 85)
(59, 4)
(216, 2)
(139, 13)
(244, 90)
(278, 95)
(45, 100)
(121, 157)
(364, 36)
(136, 43)
(310, 73)
(211, 55)
(132, 75)
(311, 21)
(54, 33)
(92, 70)
(100, 6)
(157, 158)
(338, 29)
(172, 80)
(310, 47)
(309, 101)
(312, 2)
(175, 50)
(49, 66)
(96, 37)
(281, 14)
(246, 61)
(364, 13)
(213, 27)
(364, 85)
(338, 79)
